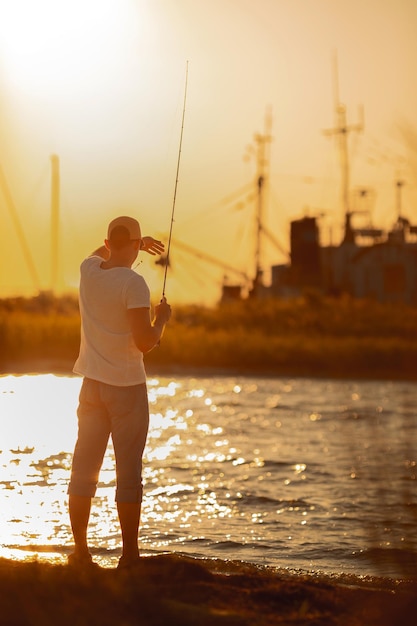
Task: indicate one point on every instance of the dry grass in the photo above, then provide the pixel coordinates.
(306, 336)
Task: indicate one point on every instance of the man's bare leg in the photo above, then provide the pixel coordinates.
(129, 517)
(79, 511)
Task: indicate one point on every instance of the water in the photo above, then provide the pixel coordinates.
(311, 475)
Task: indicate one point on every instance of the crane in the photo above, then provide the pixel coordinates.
(203, 256)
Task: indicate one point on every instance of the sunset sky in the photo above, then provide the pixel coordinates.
(100, 83)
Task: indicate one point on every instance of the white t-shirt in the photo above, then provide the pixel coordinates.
(107, 351)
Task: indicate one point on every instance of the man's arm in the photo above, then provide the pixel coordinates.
(147, 333)
(102, 251)
(149, 244)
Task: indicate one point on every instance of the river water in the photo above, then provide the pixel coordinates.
(310, 475)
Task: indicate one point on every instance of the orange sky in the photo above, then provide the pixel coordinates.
(101, 82)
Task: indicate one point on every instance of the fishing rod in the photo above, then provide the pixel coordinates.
(176, 183)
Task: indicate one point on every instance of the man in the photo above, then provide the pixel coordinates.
(116, 331)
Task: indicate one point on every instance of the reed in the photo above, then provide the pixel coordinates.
(308, 336)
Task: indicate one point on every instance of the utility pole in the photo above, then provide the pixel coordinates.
(55, 197)
(342, 130)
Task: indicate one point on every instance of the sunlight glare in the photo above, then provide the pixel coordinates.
(40, 411)
(196, 393)
(155, 390)
(66, 47)
(161, 453)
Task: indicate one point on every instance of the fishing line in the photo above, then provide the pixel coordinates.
(176, 183)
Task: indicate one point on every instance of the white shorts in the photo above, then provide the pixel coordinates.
(123, 413)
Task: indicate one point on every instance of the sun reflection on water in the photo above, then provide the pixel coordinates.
(164, 504)
(227, 466)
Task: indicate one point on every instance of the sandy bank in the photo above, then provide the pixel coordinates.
(176, 590)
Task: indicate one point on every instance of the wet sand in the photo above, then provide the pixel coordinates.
(176, 590)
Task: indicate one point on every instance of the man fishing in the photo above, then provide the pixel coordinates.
(116, 331)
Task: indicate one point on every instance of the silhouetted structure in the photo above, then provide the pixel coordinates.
(385, 269)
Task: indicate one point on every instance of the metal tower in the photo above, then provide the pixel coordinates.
(342, 130)
(262, 142)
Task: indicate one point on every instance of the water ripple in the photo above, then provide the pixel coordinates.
(299, 473)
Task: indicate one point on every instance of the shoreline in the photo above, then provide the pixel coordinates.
(64, 368)
(184, 591)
